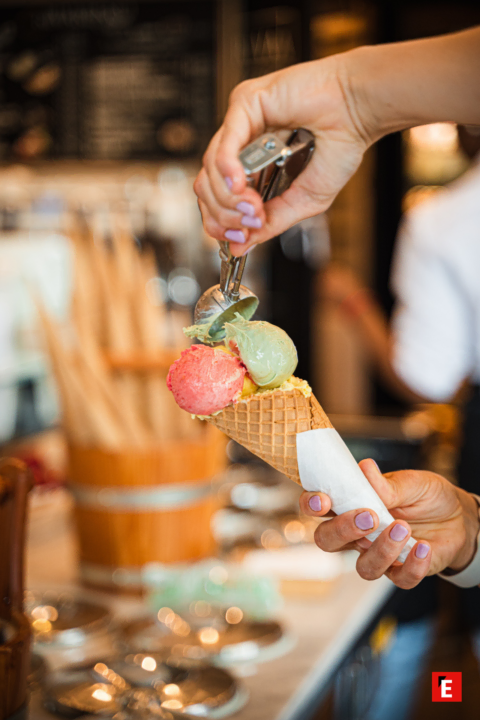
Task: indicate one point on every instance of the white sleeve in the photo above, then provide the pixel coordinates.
(432, 326)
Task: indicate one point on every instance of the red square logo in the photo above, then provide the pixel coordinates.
(447, 687)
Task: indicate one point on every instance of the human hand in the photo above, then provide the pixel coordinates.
(338, 282)
(315, 95)
(443, 518)
(348, 101)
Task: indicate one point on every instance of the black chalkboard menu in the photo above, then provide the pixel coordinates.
(107, 80)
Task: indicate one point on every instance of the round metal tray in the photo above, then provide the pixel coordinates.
(63, 620)
(111, 687)
(209, 637)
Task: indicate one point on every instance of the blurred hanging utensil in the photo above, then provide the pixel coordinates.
(270, 166)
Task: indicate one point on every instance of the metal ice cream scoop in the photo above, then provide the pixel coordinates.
(271, 166)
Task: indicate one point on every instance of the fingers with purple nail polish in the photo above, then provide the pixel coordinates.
(251, 222)
(312, 503)
(235, 236)
(246, 208)
(383, 553)
(364, 521)
(398, 533)
(229, 183)
(315, 503)
(344, 530)
(422, 551)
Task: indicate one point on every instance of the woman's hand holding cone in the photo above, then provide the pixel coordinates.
(424, 505)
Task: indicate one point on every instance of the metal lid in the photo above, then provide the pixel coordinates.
(221, 635)
(71, 691)
(111, 687)
(144, 634)
(63, 620)
(179, 685)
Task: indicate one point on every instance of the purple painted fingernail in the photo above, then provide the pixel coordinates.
(376, 465)
(422, 551)
(249, 249)
(229, 182)
(235, 236)
(398, 533)
(364, 521)
(315, 503)
(252, 222)
(246, 208)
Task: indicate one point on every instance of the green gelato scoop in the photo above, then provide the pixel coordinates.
(202, 331)
(267, 352)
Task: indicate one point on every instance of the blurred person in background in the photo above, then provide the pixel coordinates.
(433, 343)
(349, 101)
(427, 354)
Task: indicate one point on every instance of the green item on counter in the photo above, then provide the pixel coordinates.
(266, 350)
(217, 583)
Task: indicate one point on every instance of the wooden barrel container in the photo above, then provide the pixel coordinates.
(137, 507)
(14, 626)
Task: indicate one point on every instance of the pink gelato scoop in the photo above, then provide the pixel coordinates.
(205, 380)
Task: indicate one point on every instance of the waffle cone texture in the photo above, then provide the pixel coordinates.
(267, 424)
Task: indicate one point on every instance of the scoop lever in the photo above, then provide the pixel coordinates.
(271, 166)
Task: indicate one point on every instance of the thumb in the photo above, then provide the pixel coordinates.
(396, 490)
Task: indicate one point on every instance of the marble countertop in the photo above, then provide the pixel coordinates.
(324, 628)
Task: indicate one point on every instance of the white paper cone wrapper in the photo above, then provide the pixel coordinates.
(326, 465)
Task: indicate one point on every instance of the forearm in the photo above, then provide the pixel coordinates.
(381, 346)
(373, 328)
(392, 87)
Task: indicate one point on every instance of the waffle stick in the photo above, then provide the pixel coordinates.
(87, 414)
(130, 289)
(267, 424)
(93, 366)
(148, 326)
(163, 412)
(120, 339)
(105, 421)
(87, 313)
(73, 411)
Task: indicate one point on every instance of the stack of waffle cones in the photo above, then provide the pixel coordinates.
(267, 424)
(110, 359)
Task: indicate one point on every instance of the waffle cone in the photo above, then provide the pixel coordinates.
(267, 424)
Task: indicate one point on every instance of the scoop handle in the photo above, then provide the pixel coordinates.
(288, 159)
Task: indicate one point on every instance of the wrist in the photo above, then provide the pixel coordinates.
(377, 115)
(471, 519)
(380, 84)
(400, 85)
